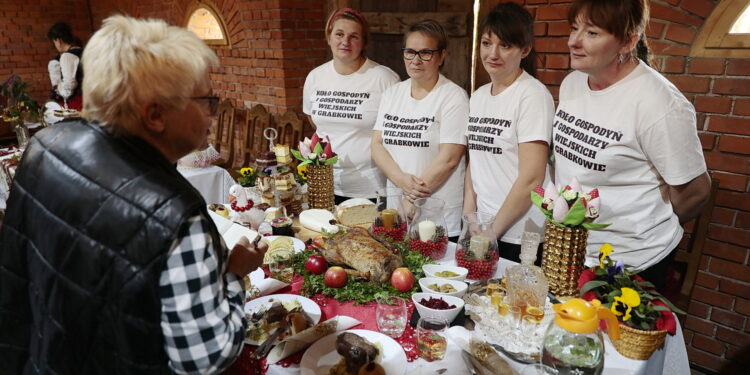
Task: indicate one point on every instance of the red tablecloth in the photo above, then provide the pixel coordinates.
(329, 308)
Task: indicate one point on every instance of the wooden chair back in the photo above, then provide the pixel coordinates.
(692, 256)
(225, 132)
(291, 129)
(249, 143)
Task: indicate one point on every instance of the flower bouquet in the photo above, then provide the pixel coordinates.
(570, 214)
(248, 176)
(317, 160)
(645, 315)
(20, 104)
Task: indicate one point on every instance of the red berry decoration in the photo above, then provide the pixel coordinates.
(242, 209)
(478, 269)
(434, 250)
(396, 233)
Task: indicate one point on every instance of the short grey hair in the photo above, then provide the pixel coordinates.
(129, 62)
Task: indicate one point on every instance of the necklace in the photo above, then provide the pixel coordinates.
(242, 209)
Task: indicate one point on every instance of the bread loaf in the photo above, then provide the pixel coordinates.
(356, 211)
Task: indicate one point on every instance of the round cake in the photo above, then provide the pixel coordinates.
(266, 159)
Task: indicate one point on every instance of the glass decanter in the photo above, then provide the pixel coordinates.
(427, 230)
(477, 246)
(526, 284)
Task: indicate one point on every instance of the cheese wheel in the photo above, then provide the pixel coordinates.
(317, 220)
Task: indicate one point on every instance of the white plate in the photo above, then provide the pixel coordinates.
(322, 355)
(299, 246)
(311, 308)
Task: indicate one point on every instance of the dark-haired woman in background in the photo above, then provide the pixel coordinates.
(509, 129)
(65, 70)
(624, 128)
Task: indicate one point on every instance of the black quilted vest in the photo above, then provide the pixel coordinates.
(89, 223)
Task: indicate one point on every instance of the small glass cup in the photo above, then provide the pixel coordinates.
(534, 314)
(281, 266)
(502, 308)
(493, 285)
(496, 298)
(515, 316)
(390, 315)
(432, 341)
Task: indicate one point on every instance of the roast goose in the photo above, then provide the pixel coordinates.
(357, 249)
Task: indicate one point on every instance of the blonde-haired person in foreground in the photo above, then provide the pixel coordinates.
(109, 262)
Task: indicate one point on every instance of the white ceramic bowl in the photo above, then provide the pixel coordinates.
(459, 286)
(431, 269)
(448, 314)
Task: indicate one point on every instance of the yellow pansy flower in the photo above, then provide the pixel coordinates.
(604, 252)
(302, 170)
(625, 303)
(246, 171)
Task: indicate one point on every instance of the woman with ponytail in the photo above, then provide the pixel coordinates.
(624, 128)
(510, 122)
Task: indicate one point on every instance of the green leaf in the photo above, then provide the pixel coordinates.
(592, 285)
(594, 226)
(305, 162)
(298, 155)
(318, 149)
(331, 161)
(575, 215)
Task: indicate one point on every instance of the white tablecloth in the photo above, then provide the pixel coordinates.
(669, 360)
(212, 182)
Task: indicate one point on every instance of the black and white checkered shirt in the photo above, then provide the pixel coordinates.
(202, 310)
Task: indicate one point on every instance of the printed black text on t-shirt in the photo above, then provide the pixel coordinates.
(405, 131)
(482, 132)
(575, 140)
(339, 104)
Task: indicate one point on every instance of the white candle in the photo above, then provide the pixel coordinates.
(426, 230)
(479, 246)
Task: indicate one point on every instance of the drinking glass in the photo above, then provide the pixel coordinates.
(515, 316)
(281, 265)
(391, 220)
(390, 315)
(431, 338)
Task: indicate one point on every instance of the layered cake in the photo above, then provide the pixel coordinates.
(266, 159)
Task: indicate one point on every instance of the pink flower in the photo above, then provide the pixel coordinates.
(314, 141)
(666, 321)
(328, 151)
(575, 185)
(550, 192)
(560, 210)
(303, 148)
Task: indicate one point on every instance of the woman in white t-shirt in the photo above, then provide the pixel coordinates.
(341, 98)
(510, 122)
(624, 128)
(419, 139)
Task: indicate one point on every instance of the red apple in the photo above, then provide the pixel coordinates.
(402, 279)
(316, 264)
(335, 277)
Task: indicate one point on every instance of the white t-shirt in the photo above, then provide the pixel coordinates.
(521, 113)
(344, 108)
(630, 140)
(412, 131)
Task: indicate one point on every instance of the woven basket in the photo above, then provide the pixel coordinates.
(563, 258)
(320, 186)
(638, 344)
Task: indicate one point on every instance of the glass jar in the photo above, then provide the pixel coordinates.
(526, 284)
(22, 134)
(427, 230)
(477, 246)
(390, 220)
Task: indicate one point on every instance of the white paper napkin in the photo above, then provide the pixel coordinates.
(302, 340)
(265, 285)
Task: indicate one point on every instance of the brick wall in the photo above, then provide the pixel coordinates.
(24, 47)
(274, 44)
(717, 328)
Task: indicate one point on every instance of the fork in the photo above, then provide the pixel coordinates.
(265, 346)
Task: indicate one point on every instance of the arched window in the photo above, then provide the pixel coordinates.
(726, 32)
(205, 21)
